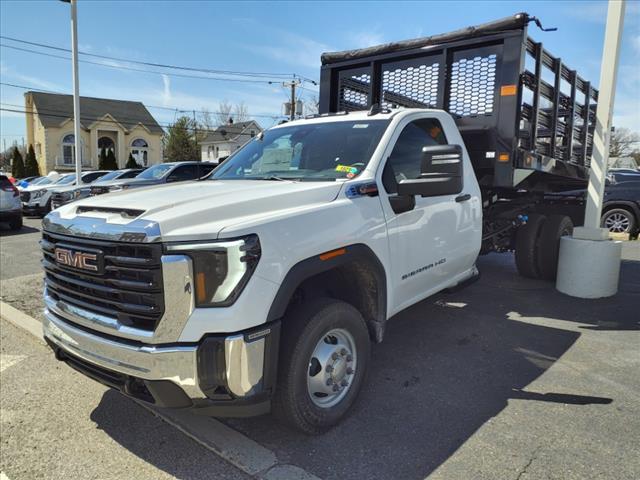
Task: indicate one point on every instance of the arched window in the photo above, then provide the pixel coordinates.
(140, 151)
(106, 143)
(69, 149)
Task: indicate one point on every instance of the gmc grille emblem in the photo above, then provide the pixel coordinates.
(81, 260)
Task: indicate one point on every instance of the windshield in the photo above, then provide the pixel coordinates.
(155, 172)
(314, 151)
(65, 180)
(110, 175)
(39, 181)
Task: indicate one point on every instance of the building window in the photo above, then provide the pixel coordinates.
(38, 149)
(209, 151)
(140, 151)
(253, 133)
(69, 149)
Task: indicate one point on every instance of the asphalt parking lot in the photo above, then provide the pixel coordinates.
(507, 379)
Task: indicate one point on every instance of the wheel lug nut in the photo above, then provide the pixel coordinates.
(334, 356)
(329, 381)
(344, 383)
(329, 369)
(343, 352)
(349, 358)
(349, 371)
(336, 388)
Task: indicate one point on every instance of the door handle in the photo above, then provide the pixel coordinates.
(463, 198)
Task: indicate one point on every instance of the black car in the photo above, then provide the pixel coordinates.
(165, 173)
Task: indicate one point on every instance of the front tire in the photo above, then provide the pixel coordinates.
(619, 220)
(324, 358)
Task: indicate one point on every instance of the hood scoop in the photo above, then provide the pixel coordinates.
(126, 213)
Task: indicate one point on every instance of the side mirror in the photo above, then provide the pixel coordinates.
(440, 173)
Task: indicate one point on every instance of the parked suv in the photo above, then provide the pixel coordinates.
(113, 178)
(10, 204)
(36, 199)
(165, 173)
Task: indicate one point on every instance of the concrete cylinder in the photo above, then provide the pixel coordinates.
(588, 268)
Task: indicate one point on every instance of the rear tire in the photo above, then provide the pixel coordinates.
(16, 223)
(308, 337)
(556, 226)
(526, 246)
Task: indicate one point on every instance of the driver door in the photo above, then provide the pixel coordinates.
(423, 230)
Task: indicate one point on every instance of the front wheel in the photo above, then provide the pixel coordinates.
(619, 220)
(323, 363)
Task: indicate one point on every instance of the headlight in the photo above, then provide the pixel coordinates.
(81, 193)
(40, 193)
(221, 269)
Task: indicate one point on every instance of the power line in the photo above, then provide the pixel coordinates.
(122, 67)
(162, 65)
(173, 109)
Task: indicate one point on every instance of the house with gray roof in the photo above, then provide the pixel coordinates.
(226, 139)
(122, 126)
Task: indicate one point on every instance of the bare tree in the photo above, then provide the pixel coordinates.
(222, 116)
(311, 105)
(240, 112)
(205, 124)
(623, 142)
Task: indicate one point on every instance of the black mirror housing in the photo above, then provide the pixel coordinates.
(440, 173)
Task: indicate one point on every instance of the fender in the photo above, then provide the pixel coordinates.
(312, 266)
(624, 203)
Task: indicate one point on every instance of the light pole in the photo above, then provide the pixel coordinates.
(589, 263)
(76, 87)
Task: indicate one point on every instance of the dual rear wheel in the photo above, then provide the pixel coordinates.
(538, 244)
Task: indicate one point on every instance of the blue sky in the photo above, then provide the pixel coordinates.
(278, 37)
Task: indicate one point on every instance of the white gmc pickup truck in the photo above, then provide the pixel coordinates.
(266, 282)
(263, 285)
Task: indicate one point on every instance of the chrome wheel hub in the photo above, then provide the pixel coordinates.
(617, 222)
(332, 367)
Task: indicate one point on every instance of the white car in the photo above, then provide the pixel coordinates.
(36, 199)
(10, 204)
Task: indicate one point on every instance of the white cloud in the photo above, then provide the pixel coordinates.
(366, 39)
(293, 49)
(9, 73)
(635, 41)
(166, 93)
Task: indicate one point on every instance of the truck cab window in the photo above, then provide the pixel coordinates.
(406, 156)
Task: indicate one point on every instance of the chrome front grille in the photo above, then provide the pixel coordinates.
(127, 287)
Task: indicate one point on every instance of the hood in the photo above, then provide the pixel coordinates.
(201, 209)
(65, 188)
(140, 182)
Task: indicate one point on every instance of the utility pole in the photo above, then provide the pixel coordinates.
(292, 84)
(76, 87)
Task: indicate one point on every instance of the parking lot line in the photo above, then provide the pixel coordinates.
(230, 445)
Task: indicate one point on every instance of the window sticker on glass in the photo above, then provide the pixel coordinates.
(346, 169)
(361, 125)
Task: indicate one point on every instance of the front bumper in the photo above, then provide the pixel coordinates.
(222, 375)
(33, 207)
